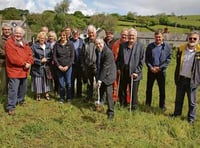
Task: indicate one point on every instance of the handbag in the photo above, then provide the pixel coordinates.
(48, 72)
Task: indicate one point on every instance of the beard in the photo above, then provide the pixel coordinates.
(192, 44)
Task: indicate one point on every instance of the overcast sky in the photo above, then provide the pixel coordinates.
(89, 7)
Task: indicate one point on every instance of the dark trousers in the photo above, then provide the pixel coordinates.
(76, 75)
(107, 89)
(16, 92)
(184, 87)
(124, 81)
(55, 78)
(90, 83)
(65, 81)
(160, 77)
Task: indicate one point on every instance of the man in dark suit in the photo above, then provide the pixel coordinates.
(129, 65)
(106, 73)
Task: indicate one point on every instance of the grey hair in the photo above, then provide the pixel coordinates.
(91, 28)
(20, 29)
(6, 25)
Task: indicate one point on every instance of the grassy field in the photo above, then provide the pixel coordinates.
(50, 124)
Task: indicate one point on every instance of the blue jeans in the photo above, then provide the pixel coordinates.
(16, 92)
(65, 79)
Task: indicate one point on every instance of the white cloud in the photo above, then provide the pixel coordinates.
(79, 5)
(88, 7)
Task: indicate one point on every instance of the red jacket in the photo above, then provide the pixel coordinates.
(16, 57)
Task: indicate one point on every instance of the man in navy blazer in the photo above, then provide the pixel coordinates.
(106, 73)
(130, 62)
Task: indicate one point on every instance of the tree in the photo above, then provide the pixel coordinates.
(62, 7)
(131, 15)
(104, 21)
(78, 14)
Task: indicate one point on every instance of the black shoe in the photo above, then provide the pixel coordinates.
(163, 109)
(191, 122)
(110, 116)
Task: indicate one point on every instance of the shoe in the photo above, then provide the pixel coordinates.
(163, 109)
(38, 98)
(47, 97)
(11, 112)
(22, 103)
(110, 116)
(69, 101)
(191, 122)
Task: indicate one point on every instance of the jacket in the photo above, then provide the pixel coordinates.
(136, 61)
(37, 69)
(16, 57)
(164, 59)
(63, 54)
(107, 72)
(195, 70)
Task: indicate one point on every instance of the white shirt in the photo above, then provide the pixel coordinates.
(188, 60)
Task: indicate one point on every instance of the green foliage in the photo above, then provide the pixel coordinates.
(62, 7)
(104, 21)
(12, 13)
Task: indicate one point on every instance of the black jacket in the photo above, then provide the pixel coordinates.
(63, 54)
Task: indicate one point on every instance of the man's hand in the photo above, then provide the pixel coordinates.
(44, 60)
(27, 66)
(98, 84)
(134, 75)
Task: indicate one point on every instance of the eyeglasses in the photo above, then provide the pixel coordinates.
(190, 38)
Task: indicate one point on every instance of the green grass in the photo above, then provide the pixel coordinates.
(50, 124)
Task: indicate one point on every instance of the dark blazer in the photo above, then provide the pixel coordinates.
(37, 69)
(165, 56)
(137, 58)
(107, 72)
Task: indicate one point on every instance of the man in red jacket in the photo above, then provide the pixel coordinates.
(18, 61)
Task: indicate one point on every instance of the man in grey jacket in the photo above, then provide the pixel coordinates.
(130, 62)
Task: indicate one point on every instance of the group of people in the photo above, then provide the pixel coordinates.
(114, 66)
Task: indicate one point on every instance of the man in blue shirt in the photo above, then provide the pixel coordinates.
(158, 56)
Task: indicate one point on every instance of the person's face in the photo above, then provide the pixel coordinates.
(42, 40)
(45, 29)
(99, 45)
(132, 37)
(158, 39)
(75, 35)
(68, 32)
(109, 36)
(91, 35)
(124, 36)
(6, 31)
(18, 35)
(63, 37)
(193, 40)
(51, 38)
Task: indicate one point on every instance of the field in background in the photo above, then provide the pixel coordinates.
(50, 124)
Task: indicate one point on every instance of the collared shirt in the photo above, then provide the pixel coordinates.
(187, 63)
(156, 54)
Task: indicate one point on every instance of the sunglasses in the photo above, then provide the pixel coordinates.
(190, 38)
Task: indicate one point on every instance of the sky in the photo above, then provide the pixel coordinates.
(122, 7)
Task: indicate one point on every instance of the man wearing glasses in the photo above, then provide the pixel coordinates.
(187, 75)
(6, 32)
